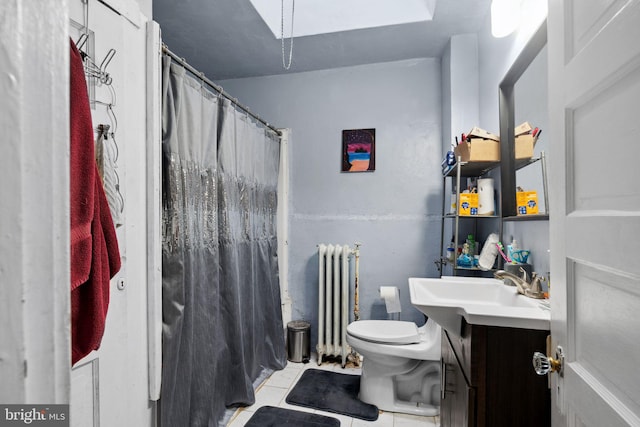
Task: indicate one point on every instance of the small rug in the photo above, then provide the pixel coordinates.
(270, 416)
(332, 392)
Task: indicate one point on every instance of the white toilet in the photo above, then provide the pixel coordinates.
(401, 367)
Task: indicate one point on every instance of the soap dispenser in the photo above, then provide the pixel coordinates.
(511, 248)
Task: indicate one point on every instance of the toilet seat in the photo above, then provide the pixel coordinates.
(385, 331)
(426, 346)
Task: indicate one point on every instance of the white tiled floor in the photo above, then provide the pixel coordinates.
(275, 389)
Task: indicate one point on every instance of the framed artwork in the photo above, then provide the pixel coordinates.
(359, 150)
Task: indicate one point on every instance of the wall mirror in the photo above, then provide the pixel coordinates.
(523, 97)
(530, 105)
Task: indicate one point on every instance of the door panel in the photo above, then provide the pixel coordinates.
(85, 397)
(595, 408)
(606, 328)
(604, 157)
(588, 17)
(610, 54)
(594, 87)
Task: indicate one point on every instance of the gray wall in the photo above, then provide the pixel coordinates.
(460, 107)
(463, 112)
(394, 211)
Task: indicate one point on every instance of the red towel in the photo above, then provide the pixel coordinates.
(95, 257)
(82, 172)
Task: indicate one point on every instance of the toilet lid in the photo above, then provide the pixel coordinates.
(385, 331)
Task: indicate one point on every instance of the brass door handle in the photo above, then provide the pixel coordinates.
(545, 364)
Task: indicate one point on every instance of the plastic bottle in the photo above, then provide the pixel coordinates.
(451, 252)
(472, 245)
(511, 248)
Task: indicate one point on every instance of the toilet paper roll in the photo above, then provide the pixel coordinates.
(486, 202)
(391, 297)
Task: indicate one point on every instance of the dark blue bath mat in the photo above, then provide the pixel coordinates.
(270, 416)
(332, 392)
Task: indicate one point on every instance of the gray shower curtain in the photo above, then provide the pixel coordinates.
(222, 319)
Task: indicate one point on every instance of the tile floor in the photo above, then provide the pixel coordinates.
(274, 390)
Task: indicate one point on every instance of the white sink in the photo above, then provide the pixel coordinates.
(479, 301)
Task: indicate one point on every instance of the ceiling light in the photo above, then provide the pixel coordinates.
(505, 17)
(315, 17)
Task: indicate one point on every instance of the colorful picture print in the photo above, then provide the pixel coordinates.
(359, 150)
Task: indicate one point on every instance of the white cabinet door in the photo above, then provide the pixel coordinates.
(594, 110)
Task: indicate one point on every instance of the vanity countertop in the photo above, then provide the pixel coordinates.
(480, 301)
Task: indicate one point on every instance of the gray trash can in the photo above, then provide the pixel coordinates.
(298, 341)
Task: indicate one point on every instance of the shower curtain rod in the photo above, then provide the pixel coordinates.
(217, 88)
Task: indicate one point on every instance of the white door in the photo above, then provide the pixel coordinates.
(594, 110)
(110, 387)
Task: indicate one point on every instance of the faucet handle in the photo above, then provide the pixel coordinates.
(524, 275)
(535, 290)
(535, 280)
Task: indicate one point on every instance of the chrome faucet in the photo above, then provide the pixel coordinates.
(529, 289)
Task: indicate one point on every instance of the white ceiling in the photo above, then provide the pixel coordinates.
(228, 38)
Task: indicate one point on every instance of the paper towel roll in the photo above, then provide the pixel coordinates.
(391, 297)
(486, 203)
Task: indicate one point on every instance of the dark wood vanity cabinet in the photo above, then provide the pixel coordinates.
(488, 378)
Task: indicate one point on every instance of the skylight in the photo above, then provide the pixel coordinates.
(329, 16)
